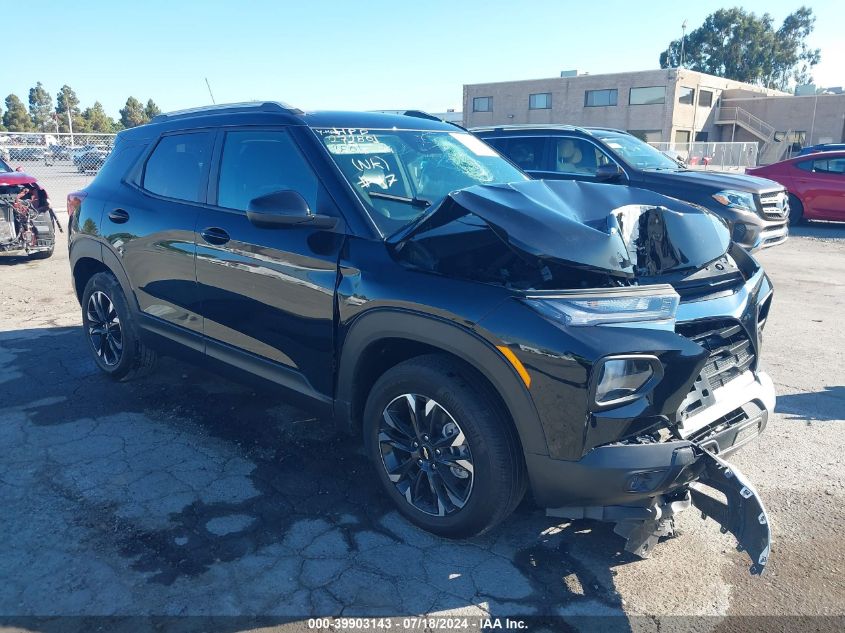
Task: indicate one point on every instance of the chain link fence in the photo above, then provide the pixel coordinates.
(716, 155)
(61, 162)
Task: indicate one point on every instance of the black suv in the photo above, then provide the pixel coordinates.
(486, 333)
(756, 209)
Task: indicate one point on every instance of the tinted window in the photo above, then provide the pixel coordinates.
(577, 156)
(526, 152)
(541, 101)
(176, 167)
(705, 98)
(686, 95)
(829, 166)
(594, 98)
(482, 104)
(261, 162)
(647, 96)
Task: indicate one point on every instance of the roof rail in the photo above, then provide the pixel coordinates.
(420, 114)
(229, 108)
(528, 126)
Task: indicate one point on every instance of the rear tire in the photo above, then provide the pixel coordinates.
(796, 211)
(460, 428)
(111, 331)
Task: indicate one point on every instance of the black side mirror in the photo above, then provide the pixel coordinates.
(609, 172)
(285, 209)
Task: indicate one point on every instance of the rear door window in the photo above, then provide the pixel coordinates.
(259, 162)
(527, 152)
(178, 165)
(829, 166)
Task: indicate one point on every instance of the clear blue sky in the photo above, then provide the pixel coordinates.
(363, 54)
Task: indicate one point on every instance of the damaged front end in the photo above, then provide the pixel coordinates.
(640, 325)
(27, 222)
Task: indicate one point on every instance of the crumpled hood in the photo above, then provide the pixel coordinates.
(16, 178)
(617, 229)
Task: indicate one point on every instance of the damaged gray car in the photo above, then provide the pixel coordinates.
(486, 335)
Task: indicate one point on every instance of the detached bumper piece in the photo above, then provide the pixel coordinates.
(743, 515)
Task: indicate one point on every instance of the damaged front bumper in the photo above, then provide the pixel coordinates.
(641, 486)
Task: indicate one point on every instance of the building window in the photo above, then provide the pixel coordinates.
(686, 95)
(701, 137)
(705, 98)
(541, 101)
(648, 136)
(682, 136)
(647, 96)
(482, 104)
(595, 98)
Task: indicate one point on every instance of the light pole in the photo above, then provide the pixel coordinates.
(69, 118)
(683, 39)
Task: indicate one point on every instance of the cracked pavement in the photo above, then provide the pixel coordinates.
(187, 494)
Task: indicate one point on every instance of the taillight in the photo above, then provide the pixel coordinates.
(74, 203)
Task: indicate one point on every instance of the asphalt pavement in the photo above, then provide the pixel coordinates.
(187, 494)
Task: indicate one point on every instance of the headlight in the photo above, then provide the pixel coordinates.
(611, 306)
(624, 378)
(736, 199)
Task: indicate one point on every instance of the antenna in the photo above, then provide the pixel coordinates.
(209, 91)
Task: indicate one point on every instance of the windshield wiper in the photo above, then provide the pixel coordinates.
(416, 202)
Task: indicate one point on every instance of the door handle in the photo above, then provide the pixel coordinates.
(214, 235)
(118, 216)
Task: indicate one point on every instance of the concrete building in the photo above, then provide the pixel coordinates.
(676, 105)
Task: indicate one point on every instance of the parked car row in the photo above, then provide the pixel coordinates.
(85, 158)
(756, 210)
(482, 332)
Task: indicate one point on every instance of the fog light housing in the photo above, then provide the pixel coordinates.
(739, 232)
(621, 379)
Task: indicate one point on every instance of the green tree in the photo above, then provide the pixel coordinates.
(133, 114)
(41, 108)
(66, 100)
(97, 120)
(16, 118)
(740, 45)
(2, 127)
(151, 110)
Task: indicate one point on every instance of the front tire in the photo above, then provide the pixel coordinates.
(111, 331)
(444, 450)
(796, 211)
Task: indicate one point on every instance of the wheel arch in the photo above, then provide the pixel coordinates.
(381, 339)
(89, 257)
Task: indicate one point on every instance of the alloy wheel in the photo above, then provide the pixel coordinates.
(104, 329)
(426, 455)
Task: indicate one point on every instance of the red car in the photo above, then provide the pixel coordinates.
(27, 222)
(816, 185)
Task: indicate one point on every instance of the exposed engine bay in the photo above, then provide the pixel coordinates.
(536, 235)
(26, 219)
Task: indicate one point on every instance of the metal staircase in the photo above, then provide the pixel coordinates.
(772, 149)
